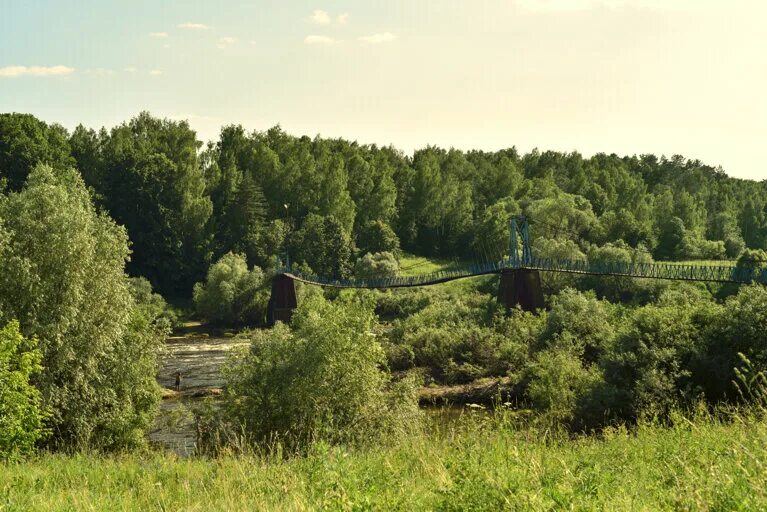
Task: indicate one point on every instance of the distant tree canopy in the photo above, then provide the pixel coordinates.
(330, 201)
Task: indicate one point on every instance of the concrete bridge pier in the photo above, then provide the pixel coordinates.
(521, 287)
(283, 301)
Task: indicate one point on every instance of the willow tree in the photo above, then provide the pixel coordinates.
(62, 277)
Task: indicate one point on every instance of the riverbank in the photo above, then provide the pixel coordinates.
(483, 464)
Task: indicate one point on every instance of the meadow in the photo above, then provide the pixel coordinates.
(479, 463)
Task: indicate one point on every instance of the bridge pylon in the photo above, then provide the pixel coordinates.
(520, 285)
(283, 300)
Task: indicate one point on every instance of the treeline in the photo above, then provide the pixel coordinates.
(330, 201)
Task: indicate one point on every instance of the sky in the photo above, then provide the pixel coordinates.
(629, 77)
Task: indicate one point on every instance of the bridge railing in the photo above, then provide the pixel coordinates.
(682, 272)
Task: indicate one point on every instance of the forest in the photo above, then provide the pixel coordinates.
(330, 201)
(111, 240)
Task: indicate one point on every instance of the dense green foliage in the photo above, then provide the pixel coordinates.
(331, 201)
(376, 266)
(232, 294)
(319, 381)
(585, 362)
(698, 464)
(21, 411)
(62, 277)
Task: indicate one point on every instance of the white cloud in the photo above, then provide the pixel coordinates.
(320, 17)
(155, 72)
(342, 18)
(158, 35)
(383, 37)
(226, 42)
(16, 71)
(194, 26)
(320, 40)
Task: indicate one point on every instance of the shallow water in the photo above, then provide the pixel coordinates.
(199, 359)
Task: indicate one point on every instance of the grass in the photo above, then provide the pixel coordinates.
(699, 465)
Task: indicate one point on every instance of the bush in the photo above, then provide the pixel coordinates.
(21, 411)
(62, 276)
(651, 365)
(152, 304)
(322, 380)
(232, 294)
(588, 320)
(695, 248)
(558, 380)
(376, 266)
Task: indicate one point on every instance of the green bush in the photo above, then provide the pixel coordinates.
(403, 302)
(376, 266)
(62, 277)
(232, 294)
(321, 380)
(152, 304)
(652, 361)
(22, 414)
(585, 318)
(558, 381)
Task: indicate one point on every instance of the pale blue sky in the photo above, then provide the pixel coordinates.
(625, 76)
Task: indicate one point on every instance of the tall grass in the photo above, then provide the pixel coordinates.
(483, 464)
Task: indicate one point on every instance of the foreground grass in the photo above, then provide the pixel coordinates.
(693, 466)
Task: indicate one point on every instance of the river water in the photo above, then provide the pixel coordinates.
(199, 359)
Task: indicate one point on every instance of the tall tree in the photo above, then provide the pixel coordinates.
(25, 141)
(154, 185)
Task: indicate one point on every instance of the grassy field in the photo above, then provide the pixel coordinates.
(698, 465)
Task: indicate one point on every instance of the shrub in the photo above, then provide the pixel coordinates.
(695, 248)
(558, 381)
(232, 294)
(62, 276)
(585, 318)
(376, 266)
(152, 304)
(21, 411)
(322, 380)
(740, 327)
(651, 364)
(752, 258)
(402, 302)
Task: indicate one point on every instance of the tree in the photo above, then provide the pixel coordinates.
(491, 235)
(324, 245)
(25, 142)
(564, 216)
(62, 277)
(154, 186)
(22, 414)
(377, 236)
(671, 238)
(232, 294)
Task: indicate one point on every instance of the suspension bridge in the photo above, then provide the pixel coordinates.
(520, 283)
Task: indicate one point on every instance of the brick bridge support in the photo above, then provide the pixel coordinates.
(521, 287)
(283, 301)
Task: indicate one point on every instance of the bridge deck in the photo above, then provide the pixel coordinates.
(671, 271)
